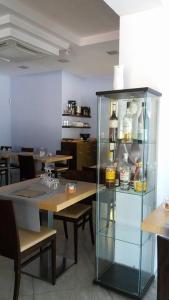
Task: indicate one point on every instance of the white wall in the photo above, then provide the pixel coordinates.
(5, 115)
(39, 100)
(83, 90)
(36, 110)
(93, 85)
(72, 89)
(144, 53)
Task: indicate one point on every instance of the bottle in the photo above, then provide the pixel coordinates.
(113, 124)
(110, 172)
(121, 113)
(140, 183)
(140, 135)
(125, 174)
(127, 126)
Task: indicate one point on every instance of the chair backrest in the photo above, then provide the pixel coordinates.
(6, 148)
(25, 149)
(9, 238)
(163, 267)
(27, 167)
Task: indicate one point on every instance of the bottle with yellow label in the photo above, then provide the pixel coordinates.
(110, 172)
(140, 182)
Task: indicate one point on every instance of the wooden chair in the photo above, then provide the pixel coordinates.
(27, 167)
(3, 171)
(162, 268)
(19, 244)
(79, 213)
(61, 166)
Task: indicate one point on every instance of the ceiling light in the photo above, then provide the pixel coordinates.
(23, 67)
(63, 60)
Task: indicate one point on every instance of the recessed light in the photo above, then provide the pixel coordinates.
(112, 52)
(63, 60)
(23, 67)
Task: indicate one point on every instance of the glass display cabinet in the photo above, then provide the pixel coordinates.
(126, 188)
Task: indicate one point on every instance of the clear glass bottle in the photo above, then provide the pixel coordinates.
(140, 182)
(110, 172)
(125, 173)
(127, 126)
(113, 124)
(140, 135)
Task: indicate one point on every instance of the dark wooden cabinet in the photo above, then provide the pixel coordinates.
(83, 152)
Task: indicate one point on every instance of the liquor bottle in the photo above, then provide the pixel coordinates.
(140, 135)
(127, 126)
(113, 124)
(121, 113)
(140, 183)
(125, 173)
(110, 172)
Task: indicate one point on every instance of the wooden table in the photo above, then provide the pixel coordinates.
(50, 203)
(158, 223)
(42, 159)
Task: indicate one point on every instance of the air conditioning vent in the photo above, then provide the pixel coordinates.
(26, 49)
(12, 50)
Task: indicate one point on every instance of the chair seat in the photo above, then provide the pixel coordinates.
(74, 211)
(30, 238)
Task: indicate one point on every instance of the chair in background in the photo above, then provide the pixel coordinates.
(3, 171)
(14, 165)
(17, 244)
(6, 148)
(27, 167)
(62, 166)
(78, 214)
(24, 149)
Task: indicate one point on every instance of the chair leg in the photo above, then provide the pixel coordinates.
(91, 228)
(53, 259)
(84, 221)
(17, 269)
(75, 242)
(65, 229)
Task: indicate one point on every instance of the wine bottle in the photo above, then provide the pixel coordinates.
(140, 136)
(127, 126)
(113, 124)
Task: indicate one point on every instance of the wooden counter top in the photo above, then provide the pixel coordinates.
(157, 222)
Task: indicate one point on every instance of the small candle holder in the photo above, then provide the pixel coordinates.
(70, 187)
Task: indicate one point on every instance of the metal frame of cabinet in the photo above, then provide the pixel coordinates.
(125, 254)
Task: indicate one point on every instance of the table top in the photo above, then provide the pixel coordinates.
(52, 200)
(42, 159)
(157, 222)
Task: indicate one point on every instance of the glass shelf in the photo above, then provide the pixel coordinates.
(106, 142)
(123, 232)
(119, 190)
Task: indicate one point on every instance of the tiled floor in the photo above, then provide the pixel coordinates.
(74, 284)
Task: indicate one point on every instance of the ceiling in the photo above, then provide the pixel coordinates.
(88, 27)
(124, 7)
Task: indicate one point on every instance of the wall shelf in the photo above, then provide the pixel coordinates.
(77, 116)
(75, 126)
